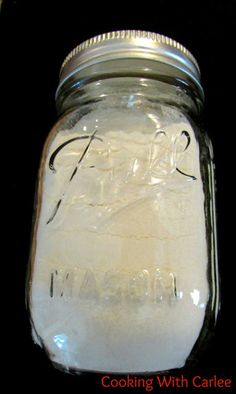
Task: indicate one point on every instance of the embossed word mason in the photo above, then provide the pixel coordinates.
(114, 286)
(123, 271)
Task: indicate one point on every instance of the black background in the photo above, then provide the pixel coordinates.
(35, 38)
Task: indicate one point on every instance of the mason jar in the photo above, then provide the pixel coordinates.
(123, 269)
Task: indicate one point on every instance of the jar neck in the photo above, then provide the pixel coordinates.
(128, 92)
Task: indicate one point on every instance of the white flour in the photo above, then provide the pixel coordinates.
(119, 279)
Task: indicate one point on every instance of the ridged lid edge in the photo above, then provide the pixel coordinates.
(126, 35)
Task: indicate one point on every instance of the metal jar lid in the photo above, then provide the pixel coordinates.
(130, 44)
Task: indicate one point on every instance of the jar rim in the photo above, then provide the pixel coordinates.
(130, 44)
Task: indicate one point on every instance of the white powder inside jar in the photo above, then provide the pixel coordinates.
(119, 280)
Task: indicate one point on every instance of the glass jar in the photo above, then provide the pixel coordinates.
(123, 272)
